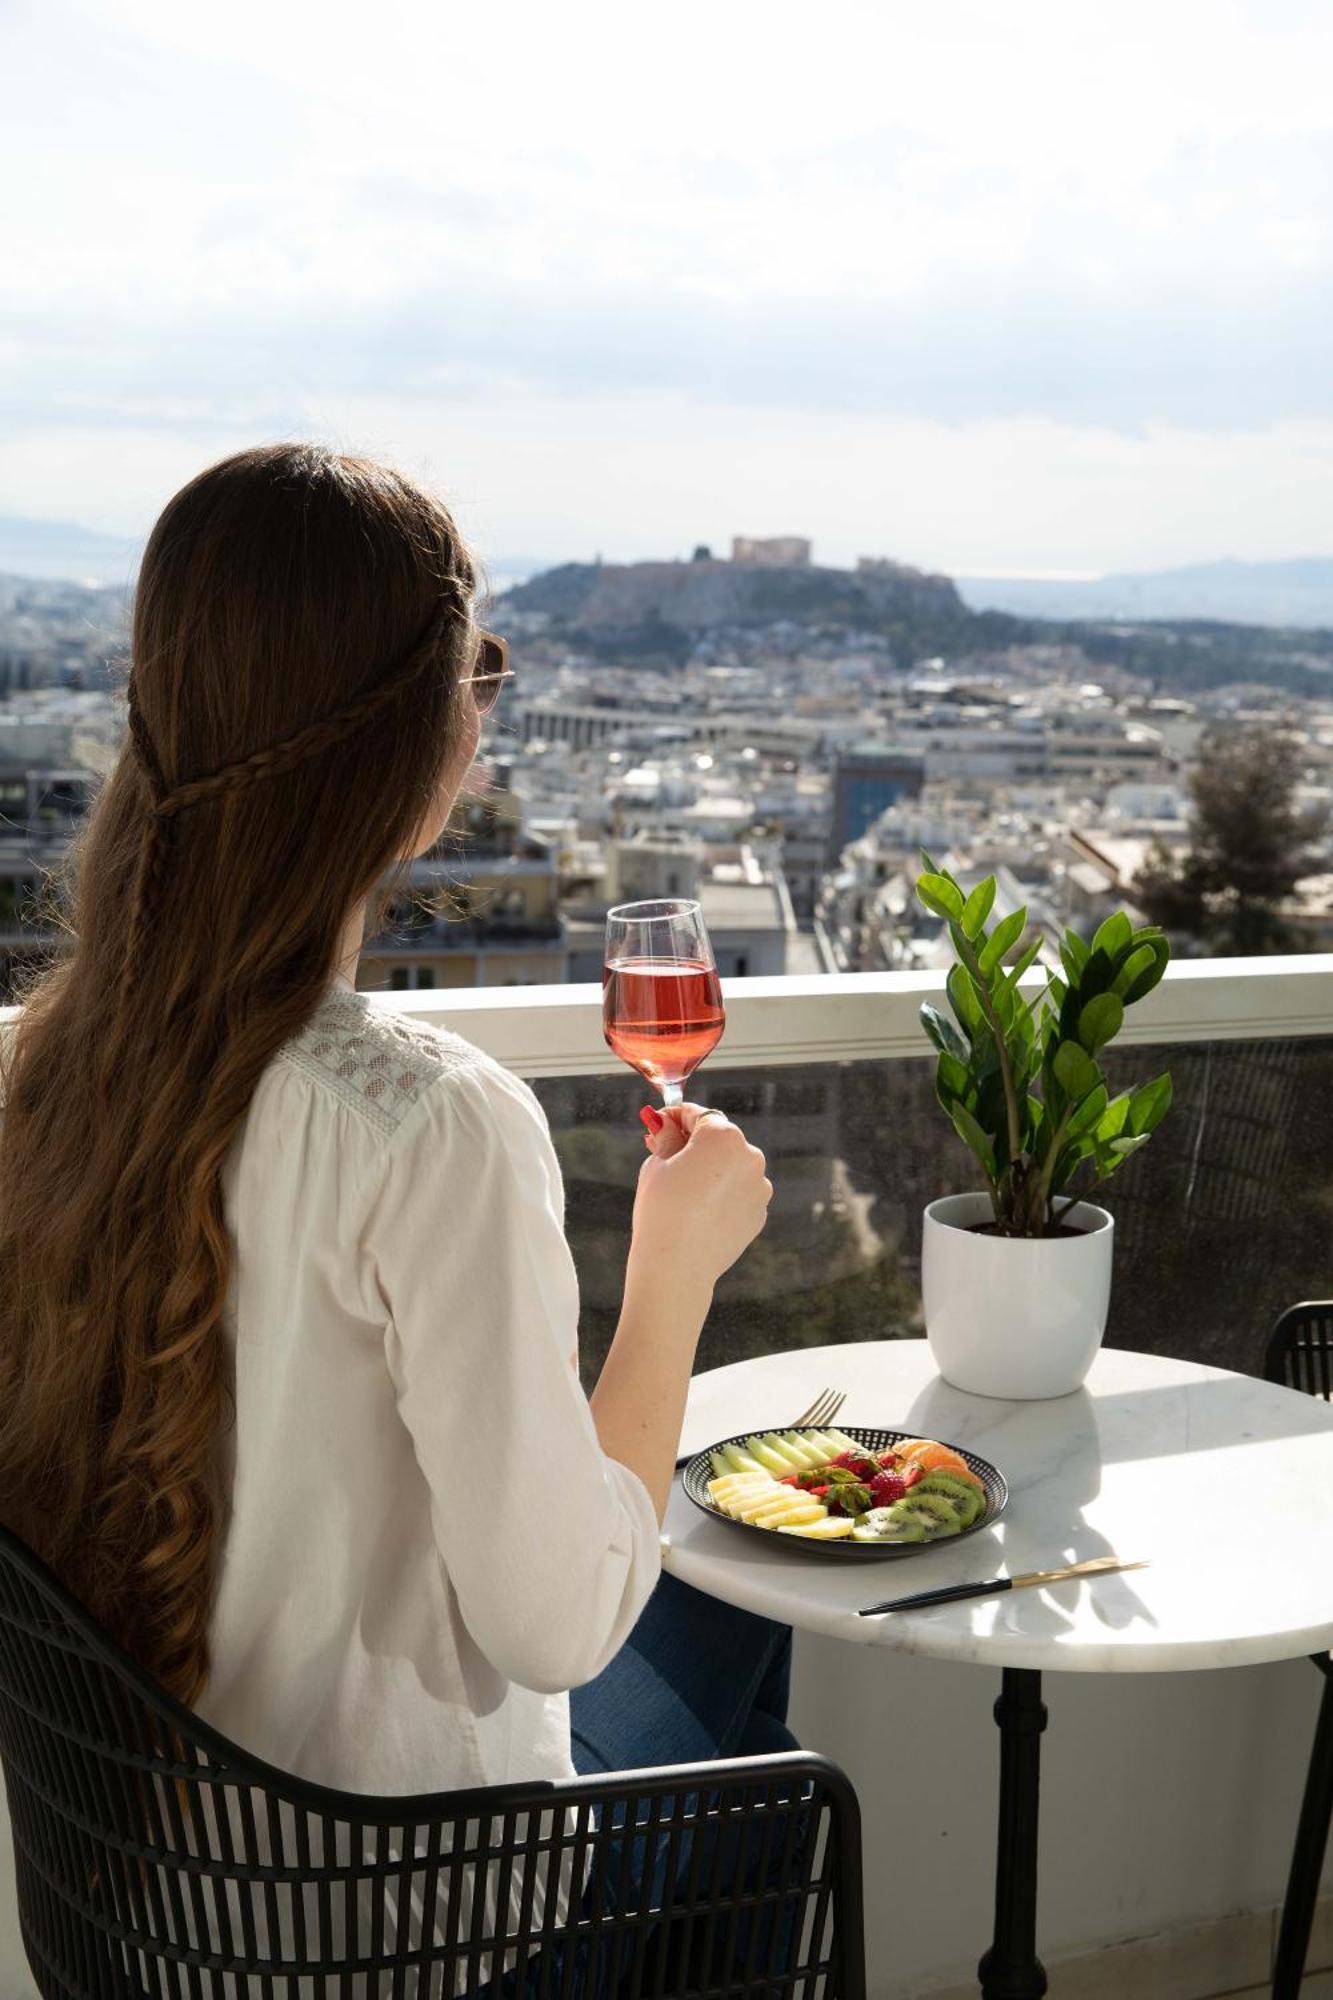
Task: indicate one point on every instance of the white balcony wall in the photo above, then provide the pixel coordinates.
(1169, 1801)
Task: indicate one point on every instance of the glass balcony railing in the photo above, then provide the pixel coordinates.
(1224, 1219)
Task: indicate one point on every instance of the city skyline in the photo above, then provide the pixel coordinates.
(986, 293)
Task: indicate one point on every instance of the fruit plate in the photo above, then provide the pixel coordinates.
(699, 1471)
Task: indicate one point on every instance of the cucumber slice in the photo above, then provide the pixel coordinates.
(809, 1453)
(772, 1442)
(769, 1460)
(740, 1461)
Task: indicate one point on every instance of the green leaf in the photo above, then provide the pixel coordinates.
(941, 897)
(992, 1109)
(1146, 980)
(1096, 976)
(1005, 1005)
(930, 867)
(972, 1135)
(978, 907)
(1113, 935)
(1074, 952)
(1101, 1020)
(1112, 1121)
(953, 1079)
(967, 1009)
(1149, 1106)
(1076, 1071)
(942, 1032)
(1139, 961)
(1089, 1111)
(1022, 964)
(1003, 938)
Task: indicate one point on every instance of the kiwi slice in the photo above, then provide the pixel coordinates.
(967, 1499)
(879, 1525)
(936, 1515)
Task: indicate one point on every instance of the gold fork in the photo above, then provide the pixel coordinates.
(822, 1411)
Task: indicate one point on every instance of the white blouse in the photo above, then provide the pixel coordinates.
(427, 1546)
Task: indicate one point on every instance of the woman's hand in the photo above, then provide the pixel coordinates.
(702, 1198)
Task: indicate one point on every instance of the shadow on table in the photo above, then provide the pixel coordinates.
(1065, 1455)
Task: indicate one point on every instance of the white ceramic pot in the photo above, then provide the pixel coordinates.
(1011, 1316)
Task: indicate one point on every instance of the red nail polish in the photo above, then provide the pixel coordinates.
(653, 1119)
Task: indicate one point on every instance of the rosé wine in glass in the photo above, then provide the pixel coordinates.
(662, 1009)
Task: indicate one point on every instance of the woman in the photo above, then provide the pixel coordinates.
(288, 1389)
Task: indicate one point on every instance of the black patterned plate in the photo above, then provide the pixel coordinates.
(699, 1471)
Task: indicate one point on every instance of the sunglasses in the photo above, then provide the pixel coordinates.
(490, 671)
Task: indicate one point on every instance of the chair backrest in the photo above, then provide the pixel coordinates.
(1300, 1348)
(155, 1858)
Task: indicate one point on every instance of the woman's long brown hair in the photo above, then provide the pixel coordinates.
(301, 626)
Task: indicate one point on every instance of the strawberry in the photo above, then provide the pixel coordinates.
(858, 1463)
(888, 1458)
(887, 1488)
(910, 1474)
(849, 1499)
(790, 1479)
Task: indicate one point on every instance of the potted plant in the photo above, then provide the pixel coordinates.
(1016, 1280)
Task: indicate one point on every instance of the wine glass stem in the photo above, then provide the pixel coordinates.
(672, 1093)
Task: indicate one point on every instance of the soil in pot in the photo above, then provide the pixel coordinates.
(992, 1229)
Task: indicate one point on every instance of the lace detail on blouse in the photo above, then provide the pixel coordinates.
(377, 1063)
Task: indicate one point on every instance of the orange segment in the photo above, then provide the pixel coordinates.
(939, 1458)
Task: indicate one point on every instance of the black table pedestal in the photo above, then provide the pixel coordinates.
(1011, 1970)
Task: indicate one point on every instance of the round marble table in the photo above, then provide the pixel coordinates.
(1150, 1459)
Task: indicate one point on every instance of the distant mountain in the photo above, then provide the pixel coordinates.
(659, 608)
(655, 613)
(56, 549)
(1295, 594)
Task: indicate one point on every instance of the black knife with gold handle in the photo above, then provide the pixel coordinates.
(950, 1593)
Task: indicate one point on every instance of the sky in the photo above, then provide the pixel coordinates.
(1018, 288)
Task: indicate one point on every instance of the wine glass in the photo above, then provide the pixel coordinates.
(661, 998)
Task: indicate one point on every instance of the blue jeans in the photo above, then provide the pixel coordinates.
(695, 1680)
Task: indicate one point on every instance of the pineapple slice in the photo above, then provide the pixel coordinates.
(797, 1510)
(754, 1506)
(729, 1498)
(833, 1528)
(729, 1482)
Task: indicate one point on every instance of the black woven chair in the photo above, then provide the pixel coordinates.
(1300, 1356)
(157, 1861)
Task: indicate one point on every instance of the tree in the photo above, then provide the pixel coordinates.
(1250, 845)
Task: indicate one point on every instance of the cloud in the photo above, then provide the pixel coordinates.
(954, 223)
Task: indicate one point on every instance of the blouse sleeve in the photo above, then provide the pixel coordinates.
(551, 1547)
